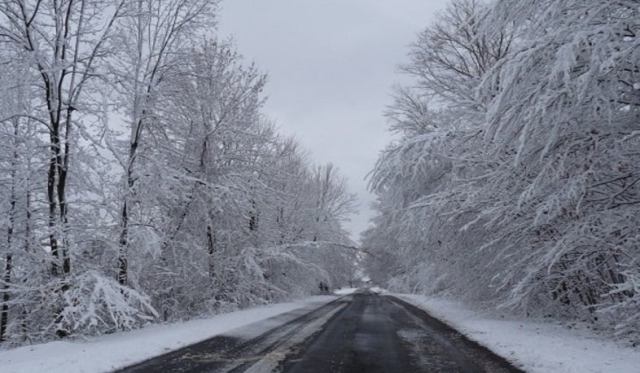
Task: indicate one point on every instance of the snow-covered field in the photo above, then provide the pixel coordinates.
(534, 346)
(114, 351)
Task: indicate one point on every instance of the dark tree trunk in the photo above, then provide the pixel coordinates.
(6, 297)
(51, 199)
(253, 217)
(123, 262)
(63, 168)
(123, 252)
(4, 313)
(56, 191)
(211, 243)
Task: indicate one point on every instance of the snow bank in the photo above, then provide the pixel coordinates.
(378, 290)
(114, 351)
(534, 346)
(345, 291)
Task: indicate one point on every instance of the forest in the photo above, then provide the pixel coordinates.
(140, 182)
(513, 180)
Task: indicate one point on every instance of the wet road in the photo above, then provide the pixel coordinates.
(358, 333)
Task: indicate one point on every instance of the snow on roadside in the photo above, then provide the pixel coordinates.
(378, 290)
(106, 353)
(345, 291)
(533, 346)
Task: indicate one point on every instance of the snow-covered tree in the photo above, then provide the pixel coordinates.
(141, 181)
(514, 181)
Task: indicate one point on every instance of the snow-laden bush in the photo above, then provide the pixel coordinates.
(625, 316)
(288, 271)
(93, 303)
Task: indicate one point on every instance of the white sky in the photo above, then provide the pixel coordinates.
(331, 66)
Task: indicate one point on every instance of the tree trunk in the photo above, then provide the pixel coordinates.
(51, 199)
(63, 169)
(253, 216)
(123, 262)
(211, 242)
(4, 312)
(123, 258)
(56, 190)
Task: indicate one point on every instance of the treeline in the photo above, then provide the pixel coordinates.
(139, 181)
(515, 179)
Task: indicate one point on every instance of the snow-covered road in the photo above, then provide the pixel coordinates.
(363, 332)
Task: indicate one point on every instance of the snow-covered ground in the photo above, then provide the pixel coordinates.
(534, 346)
(114, 351)
(345, 291)
(378, 290)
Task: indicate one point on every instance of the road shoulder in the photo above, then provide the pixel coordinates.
(115, 351)
(531, 345)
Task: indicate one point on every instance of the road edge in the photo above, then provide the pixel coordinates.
(444, 326)
(172, 351)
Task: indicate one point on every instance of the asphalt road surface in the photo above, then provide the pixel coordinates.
(364, 332)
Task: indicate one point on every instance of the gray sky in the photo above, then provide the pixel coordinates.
(331, 65)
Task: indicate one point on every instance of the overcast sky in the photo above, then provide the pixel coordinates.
(331, 66)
